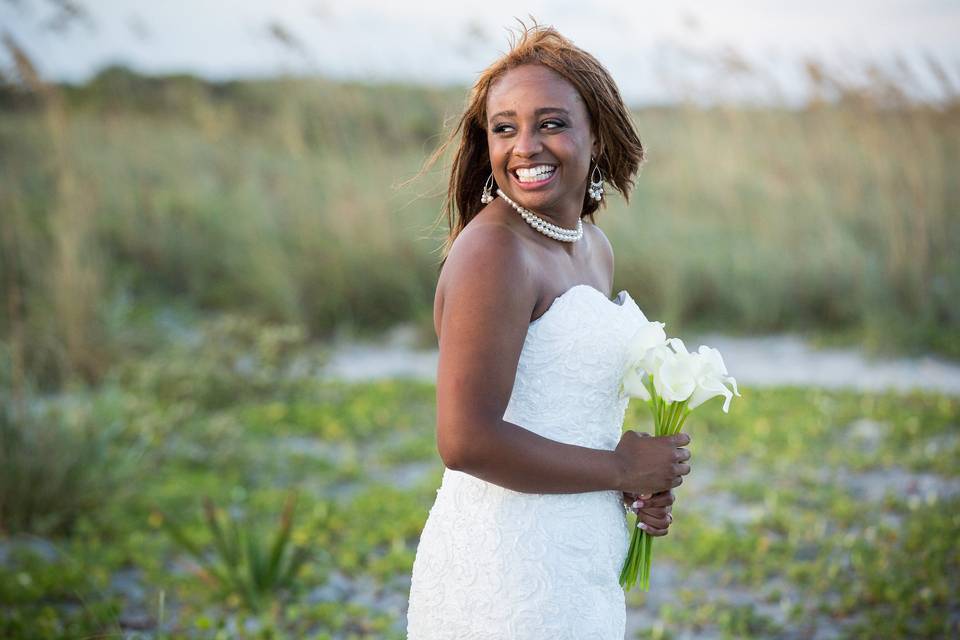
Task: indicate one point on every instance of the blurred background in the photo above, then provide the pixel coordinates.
(216, 339)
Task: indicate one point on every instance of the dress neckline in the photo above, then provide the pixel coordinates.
(622, 296)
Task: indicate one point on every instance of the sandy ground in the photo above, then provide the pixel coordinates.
(754, 361)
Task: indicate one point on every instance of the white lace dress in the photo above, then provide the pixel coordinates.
(493, 563)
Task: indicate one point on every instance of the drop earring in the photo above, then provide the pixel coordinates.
(596, 183)
(486, 195)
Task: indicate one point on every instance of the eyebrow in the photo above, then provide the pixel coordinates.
(537, 112)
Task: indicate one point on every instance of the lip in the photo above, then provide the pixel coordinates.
(532, 185)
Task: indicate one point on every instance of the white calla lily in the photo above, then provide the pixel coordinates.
(714, 361)
(676, 376)
(635, 385)
(654, 358)
(647, 337)
(711, 379)
(709, 388)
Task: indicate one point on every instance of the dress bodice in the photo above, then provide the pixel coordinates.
(567, 385)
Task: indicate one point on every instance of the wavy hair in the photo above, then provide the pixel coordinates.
(620, 152)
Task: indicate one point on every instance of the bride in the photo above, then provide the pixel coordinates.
(527, 535)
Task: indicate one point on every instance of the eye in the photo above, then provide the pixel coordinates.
(548, 124)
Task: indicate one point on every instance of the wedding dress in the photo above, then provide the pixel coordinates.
(497, 564)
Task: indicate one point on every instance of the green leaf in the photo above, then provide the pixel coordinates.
(282, 538)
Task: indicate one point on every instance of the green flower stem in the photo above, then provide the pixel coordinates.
(671, 419)
(668, 420)
(686, 412)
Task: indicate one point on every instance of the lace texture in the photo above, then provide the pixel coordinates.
(493, 563)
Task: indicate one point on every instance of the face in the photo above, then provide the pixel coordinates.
(539, 138)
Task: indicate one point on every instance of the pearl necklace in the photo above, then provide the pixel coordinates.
(543, 226)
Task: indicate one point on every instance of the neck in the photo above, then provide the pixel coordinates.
(544, 225)
(565, 214)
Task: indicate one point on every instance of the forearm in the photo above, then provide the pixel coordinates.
(516, 458)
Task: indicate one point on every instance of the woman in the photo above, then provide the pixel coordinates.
(528, 534)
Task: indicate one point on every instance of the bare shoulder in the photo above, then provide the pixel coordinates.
(488, 265)
(480, 240)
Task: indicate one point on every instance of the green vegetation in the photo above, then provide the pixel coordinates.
(246, 564)
(281, 199)
(842, 525)
(59, 466)
(804, 509)
(171, 248)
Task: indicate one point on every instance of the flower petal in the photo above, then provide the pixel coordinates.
(712, 358)
(633, 384)
(678, 346)
(646, 337)
(708, 388)
(677, 379)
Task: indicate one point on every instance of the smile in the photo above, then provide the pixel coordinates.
(534, 176)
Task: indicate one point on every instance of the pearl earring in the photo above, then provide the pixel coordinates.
(596, 183)
(487, 194)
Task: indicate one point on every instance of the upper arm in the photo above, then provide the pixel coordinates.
(488, 296)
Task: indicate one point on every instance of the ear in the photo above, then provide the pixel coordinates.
(595, 147)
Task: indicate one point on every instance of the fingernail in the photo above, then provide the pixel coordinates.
(637, 504)
(642, 525)
(640, 503)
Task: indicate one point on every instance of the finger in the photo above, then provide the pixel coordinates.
(638, 506)
(659, 523)
(653, 531)
(661, 499)
(659, 514)
(661, 495)
(681, 468)
(677, 481)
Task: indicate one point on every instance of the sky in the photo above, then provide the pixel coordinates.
(656, 51)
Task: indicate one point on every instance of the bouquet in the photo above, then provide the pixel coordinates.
(673, 382)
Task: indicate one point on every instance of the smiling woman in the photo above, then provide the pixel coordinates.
(587, 102)
(539, 150)
(528, 534)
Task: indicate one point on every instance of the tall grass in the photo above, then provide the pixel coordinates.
(278, 198)
(52, 276)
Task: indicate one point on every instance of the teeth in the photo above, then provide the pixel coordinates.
(534, 174)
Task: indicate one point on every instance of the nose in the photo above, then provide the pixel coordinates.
(527, 143)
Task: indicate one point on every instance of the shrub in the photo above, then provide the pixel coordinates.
(57, 463)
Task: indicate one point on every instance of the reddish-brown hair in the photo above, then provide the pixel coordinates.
(620, 151)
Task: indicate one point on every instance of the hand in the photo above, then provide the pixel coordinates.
(649, 464)
(655, 512)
